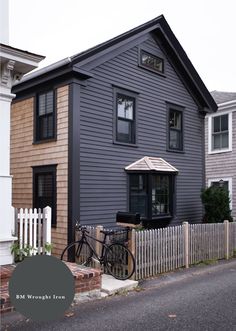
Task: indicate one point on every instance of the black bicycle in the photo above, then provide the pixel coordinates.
(115, 257)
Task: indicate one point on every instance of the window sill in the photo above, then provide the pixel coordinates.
(175, 151)
(38, 142)
(219, 151)
(124, 144)
(159, 73)
(157, 218)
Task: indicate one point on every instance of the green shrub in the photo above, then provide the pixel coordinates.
(216, 202)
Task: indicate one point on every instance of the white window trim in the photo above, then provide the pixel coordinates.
(222, 150)
(225, 179)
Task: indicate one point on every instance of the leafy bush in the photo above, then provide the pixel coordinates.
(216, 203)
(21, 253)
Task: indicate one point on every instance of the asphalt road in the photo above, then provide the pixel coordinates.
(198, 299)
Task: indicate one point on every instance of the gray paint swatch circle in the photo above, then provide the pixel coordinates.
(41, 287)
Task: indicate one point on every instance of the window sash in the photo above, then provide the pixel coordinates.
(151, 61)
(125, 119)
(175, 129)
(154, 199)
(44, 189)
(220, 132)
(160, 195)
(45, 116)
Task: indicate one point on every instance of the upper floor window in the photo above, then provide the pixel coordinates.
(45, 116)
(125, 113)
(151, 61)
(220, 133)
(175, 129)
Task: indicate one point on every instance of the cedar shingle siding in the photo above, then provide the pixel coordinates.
(25, 155)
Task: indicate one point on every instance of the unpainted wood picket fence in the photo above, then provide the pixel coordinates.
(167, 249)
(162, 250)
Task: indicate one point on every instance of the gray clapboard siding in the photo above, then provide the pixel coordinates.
(103, 189)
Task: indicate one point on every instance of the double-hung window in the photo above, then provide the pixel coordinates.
(175, 128)
(125, 117)
(45, 116)
(44, 188)
(220, 133)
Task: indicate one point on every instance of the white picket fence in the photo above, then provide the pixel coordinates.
(33, 229)
(162, 250)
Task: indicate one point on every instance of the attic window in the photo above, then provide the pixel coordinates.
(151, 62)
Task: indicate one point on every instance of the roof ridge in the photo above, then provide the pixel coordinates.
(149, 162)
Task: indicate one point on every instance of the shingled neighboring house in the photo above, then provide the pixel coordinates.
(220, 133)
(119, 127)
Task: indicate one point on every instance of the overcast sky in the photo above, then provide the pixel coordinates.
(206, 29)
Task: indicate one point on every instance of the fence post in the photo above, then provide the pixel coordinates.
(186, 244)
(16, 227)
(226, 223)
(47, 220)
(98, 247)
(131, 246)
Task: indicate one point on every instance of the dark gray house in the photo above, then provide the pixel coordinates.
(119, 127)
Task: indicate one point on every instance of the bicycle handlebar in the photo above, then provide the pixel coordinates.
(79, 227)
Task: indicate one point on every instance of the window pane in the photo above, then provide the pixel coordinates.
(224, 122)
(49, 104)
(175, 119)
(42, 104)
(125, 106)
(46, 128)
(138, 205)
(137, 183)
(45, 186)
(124, 131)
(43, 128)
(216, 141)
(50, 126)
(160, 195)
(216, 124)
(175, 139)
(152, 61)
(225, 140)
(217, 184)
(138, 194)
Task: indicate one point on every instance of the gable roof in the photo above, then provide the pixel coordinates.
(166, 40)
(151, 164)
(222, 97)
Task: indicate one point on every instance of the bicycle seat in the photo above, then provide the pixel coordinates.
(107, 232)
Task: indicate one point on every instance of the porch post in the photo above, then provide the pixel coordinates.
(14, 63)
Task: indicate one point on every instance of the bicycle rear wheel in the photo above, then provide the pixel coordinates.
(83, 253)
(119, 261)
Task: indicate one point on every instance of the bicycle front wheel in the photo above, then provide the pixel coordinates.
(83, 253)
(119, 261)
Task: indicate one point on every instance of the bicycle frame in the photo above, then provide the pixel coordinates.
(84, 240)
